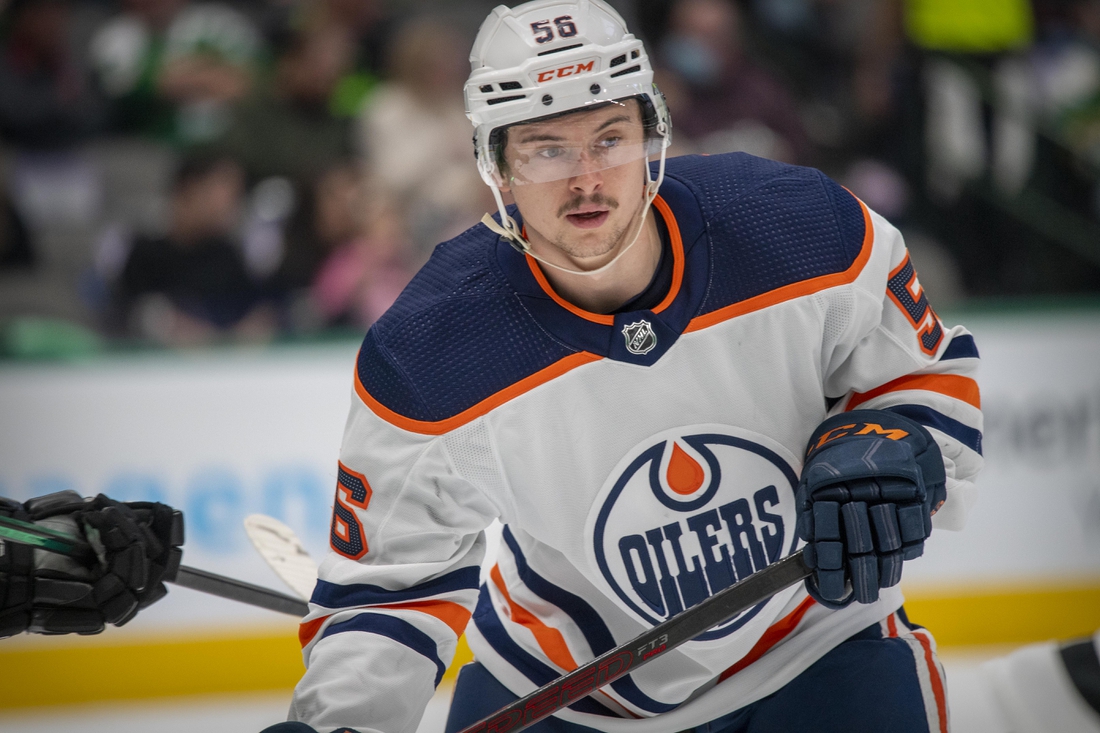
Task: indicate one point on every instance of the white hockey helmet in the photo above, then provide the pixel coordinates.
(546, 58)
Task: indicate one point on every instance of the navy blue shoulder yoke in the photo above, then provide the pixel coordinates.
(769, 224)
(474, 321)
(456, 335)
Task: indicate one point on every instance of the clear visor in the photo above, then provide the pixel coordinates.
(572, 145)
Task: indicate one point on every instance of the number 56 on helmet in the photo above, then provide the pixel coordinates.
(545, 59)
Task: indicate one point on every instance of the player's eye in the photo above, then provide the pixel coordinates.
(551, 153)
(609, 142)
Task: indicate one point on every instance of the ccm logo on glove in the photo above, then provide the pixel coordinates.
(867, 428)
(871, 483)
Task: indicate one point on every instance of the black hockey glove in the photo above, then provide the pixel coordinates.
(137, 548)
(871, 483)
(296, 727)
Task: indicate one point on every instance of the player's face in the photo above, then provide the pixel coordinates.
(579, 180)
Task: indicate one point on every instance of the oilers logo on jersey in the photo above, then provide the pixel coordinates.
(688, 513)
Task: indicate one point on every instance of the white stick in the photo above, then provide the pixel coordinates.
(280, 547)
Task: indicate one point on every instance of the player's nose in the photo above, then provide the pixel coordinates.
(588, 174)
(587, 181)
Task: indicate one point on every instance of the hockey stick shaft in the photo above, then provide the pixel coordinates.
(277, 542)
(644, 648)
(26, 533)
(238, 590)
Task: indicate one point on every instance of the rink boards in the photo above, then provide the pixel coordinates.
(225, 433)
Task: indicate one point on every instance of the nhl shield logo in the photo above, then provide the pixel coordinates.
(640, 338)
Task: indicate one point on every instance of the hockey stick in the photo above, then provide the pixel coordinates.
(644, 648)
(26, 533)
(284, 553)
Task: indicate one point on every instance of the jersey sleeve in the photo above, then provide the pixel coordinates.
(886, 349)
(399, 584)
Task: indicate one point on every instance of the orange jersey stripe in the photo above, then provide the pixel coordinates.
(452, 614)
(549, 640)
(775, 634)
(308, 629)
(449, 612)
(438, 427)
(547, 288)
(951, 385)
(606, 320)
(937, 683)
(677, 254)
(794, 290)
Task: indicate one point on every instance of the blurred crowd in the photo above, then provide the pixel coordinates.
(182, 173)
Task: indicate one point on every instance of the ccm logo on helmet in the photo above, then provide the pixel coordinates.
(570, 70)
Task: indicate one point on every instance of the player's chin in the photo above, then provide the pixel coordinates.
(590, 253)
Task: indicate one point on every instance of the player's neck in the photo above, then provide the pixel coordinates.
(626, 278)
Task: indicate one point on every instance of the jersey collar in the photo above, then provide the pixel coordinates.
(639, 337)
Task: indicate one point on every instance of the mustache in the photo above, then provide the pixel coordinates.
(596, 199)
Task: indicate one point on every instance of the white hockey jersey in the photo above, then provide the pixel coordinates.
(640, 462)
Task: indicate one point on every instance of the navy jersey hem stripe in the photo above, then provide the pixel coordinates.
(961, 347)
(928, 417)
(485, 618)
(393, 628)
(586, 618)
(333, 595)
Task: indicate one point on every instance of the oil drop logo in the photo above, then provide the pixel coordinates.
(688, 513)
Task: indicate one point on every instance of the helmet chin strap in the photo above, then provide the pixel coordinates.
(511, 231)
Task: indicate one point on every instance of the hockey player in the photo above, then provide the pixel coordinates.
(137, 550)
(661, 377)
(1039, 688)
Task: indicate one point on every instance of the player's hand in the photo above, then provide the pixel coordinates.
(871, 483)
(137, 548)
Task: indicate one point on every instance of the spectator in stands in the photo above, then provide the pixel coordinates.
(191, 286)
(972, 67)
(1068, 81)
(370, 27)
(171, 69)
(16, 252)
(46, 101)
(721, 98)
(368, 262)
(415, 136)
(286, 128)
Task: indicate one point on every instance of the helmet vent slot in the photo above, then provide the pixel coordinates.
(624, 72)
(506, 86)
(486, 88)
(559, 50)
(511, 98)
(618, 60)
(635, 54)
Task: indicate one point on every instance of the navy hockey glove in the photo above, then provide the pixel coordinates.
(871, 483)
(137, 547)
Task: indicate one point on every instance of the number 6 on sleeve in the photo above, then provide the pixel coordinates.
(346, 537)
